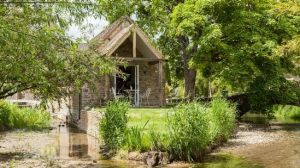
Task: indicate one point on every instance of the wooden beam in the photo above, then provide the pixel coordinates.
(140, 59)
(134, 43)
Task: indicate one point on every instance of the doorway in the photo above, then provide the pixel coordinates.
(127, 83)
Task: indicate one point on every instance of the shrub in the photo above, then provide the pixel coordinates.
(222, 116)
(113, 125)
(189, 131)
(13, 117)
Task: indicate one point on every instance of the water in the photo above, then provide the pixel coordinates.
(73, 144)
(257, 144)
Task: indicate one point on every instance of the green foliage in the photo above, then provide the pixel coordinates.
(5, 110)
(185, 132)
(195, 126)
(222, 116)
(267, 91)
(159, 141)
(113, 126)
(286, 112)
(36, 53)
(13, 117)
(189, 131)
(134, 139)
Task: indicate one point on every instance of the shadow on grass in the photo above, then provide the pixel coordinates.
(226, 161)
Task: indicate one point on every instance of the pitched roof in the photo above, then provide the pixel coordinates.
(116, 33)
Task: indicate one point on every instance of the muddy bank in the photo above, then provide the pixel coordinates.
(274, 145)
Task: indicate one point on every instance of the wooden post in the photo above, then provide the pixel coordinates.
(134, 43)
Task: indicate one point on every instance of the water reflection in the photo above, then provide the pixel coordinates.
(72, 143)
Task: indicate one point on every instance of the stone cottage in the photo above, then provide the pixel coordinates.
(144, 78)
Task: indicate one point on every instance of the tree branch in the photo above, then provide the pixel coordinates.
(10, 92)
(47, 2)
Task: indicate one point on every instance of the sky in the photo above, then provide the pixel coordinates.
(93, 26)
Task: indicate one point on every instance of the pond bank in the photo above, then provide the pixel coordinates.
(273, 146)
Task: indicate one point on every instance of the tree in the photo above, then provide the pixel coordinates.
(36, 54)
(236, 43)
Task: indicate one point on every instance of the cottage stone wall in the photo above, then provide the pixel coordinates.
(150, 78)
(89, 122)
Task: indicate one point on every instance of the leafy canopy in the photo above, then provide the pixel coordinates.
(36, 53)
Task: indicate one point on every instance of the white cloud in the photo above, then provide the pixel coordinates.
(90, 28)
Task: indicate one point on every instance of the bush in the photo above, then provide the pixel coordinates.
(222, 116)
(113, 125)
(13, 117)
(189, 131)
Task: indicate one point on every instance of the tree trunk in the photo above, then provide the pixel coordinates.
(189, 73)
(189, 77)
(189, 82)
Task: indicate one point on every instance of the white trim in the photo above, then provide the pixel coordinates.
(137, 86)
(134, 43)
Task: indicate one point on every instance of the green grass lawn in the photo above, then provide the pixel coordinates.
(148, 119)
(154, 118)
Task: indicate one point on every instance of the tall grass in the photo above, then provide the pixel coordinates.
(189, 131)
(159, 141)
(134, 139)
(186, 132)
(114, 124)
(13, 117)
(287, 112)
(194, 127)
(222, 116)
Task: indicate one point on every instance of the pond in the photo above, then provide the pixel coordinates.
(256, 144)
(60, 147)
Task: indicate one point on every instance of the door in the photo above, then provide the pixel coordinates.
(129, 85)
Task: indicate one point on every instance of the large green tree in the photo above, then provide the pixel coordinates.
(37, 55)
(232, 41)
(237, 43)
